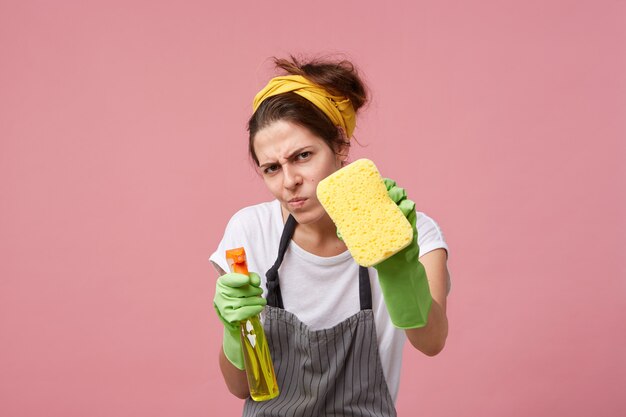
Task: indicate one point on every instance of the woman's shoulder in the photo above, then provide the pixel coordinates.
(258, 211)
(255, 217)
(429, 234)
(424, 220)
(256, 228)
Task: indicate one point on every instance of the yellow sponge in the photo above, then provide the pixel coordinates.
(371, 224)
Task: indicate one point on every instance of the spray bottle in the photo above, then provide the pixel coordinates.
(256, 352)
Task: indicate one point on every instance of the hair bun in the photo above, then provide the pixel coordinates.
(339, 77)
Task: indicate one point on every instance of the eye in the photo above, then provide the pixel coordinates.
(304, 155)
(270, 169)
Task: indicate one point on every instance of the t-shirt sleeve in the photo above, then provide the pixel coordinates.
(429, 234)
(430, 237)
(231, 239)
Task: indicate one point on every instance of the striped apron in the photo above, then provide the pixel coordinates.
(329, 372)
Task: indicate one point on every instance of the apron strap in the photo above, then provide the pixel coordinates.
(365, 289)
(274, 296)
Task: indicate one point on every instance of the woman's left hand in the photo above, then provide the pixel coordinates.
(402, 277)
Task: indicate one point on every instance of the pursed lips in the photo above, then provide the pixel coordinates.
(296, 203)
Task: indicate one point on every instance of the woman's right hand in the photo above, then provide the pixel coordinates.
(237, 298)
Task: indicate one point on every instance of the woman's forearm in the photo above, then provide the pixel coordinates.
(431, 338)
(235, 378)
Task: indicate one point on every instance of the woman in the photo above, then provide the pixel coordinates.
(336, 330)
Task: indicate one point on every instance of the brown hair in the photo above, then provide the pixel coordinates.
(338, 77)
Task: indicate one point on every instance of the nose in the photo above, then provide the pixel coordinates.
(291, 178)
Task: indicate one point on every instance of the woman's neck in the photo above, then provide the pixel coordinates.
(319, 238)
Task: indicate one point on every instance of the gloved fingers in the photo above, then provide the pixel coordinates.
(237, 302)
(339, 235)
(231, 327)
(255, 279)
(397, 194)
(232, 310)
(238, 297)
(242, 313)
(406, 206)
(234, 280)
(237, 292)
(389, 183)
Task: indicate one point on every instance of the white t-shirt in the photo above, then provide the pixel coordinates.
(320, 291)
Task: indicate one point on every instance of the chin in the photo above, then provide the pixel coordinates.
(308, 216)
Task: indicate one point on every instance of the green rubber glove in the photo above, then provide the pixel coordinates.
(237, 298)
(402, 277)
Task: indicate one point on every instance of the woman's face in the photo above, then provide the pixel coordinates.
(292, 161)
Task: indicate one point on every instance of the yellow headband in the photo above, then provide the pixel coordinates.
(338, 109)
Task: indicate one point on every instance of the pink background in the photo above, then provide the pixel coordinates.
(123, 155)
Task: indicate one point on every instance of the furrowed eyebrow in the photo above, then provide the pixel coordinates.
(290, 157)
